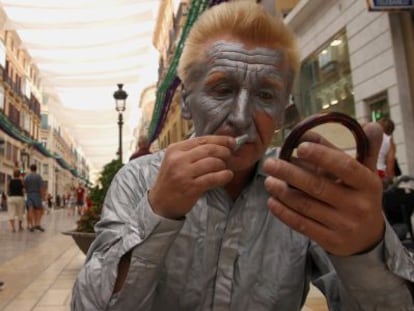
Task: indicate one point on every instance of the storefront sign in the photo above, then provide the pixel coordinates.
(390, 5)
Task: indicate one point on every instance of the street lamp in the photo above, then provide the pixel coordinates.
(25, 159)
(120, 104)
(56, 186)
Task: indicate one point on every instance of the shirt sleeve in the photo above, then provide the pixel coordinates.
(127, 224)
(381, 279)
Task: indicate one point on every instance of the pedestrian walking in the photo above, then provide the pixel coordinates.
(57, 201)
(71, 201)
(80, 199)
(49, 202)
(16, 201)
(33, 184)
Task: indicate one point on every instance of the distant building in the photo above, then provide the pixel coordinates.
(25, 131)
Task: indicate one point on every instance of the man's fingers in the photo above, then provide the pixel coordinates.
(226, 141)
(206, 166)
(306, 226)
(316, 138)
(197, 148)
(337, 163)
(214, 179)
(302, 203)
(323, 188)
(208, 150)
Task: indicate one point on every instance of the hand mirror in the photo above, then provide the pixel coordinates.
(326, 119)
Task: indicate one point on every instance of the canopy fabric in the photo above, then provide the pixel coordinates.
(83, 49)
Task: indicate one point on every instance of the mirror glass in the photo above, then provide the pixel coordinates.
(340, 130)
(338, 135)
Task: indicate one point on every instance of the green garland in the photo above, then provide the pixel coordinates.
(162, 101)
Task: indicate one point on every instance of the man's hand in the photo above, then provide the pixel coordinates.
(342, 214)
(190, 168)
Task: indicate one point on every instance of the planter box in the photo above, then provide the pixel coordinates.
(82, 239)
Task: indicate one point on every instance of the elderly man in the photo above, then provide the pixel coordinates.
(208, 225)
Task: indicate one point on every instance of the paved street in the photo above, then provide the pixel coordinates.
(39, 268)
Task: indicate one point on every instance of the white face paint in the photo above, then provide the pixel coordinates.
(224, 94)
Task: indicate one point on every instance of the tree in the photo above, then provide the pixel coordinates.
(97, 195)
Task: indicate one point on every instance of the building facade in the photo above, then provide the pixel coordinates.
(353, 60)
(359, 62)
(26, 134)
(168, 31)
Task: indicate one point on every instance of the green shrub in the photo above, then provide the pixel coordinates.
(97, 195)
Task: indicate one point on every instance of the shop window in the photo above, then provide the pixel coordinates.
(14, 153)
(378, 106)
(2, 142)
(44, 122)
(45, 171)
(3, 182)
(26, 121)
(324, 82)
(8, 151)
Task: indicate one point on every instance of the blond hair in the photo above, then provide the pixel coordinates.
(246, 21)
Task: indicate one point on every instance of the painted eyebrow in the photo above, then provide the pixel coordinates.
(215, 77)
(276, 83)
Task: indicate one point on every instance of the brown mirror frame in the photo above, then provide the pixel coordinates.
(292, 141)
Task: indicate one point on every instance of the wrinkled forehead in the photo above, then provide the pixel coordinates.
(236, 55)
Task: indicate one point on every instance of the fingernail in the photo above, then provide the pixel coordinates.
(303, 148)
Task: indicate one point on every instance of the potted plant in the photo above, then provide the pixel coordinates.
(84, 233)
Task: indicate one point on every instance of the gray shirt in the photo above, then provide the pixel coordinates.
(226, 255)
(33, 183)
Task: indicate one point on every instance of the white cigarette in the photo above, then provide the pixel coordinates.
(241, 140)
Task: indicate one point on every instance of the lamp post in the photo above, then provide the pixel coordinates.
(120, 104)
(25, 159)
(56, 186)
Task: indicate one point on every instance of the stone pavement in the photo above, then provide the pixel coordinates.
(39, 269)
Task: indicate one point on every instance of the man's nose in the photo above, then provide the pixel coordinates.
(240, 116)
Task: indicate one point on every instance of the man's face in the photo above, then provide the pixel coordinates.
(237, 91)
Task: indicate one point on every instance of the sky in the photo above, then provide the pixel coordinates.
(83, 49)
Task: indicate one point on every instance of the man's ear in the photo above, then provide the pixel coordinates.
(185, 109)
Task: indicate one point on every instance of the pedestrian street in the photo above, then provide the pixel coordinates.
(39, 268)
